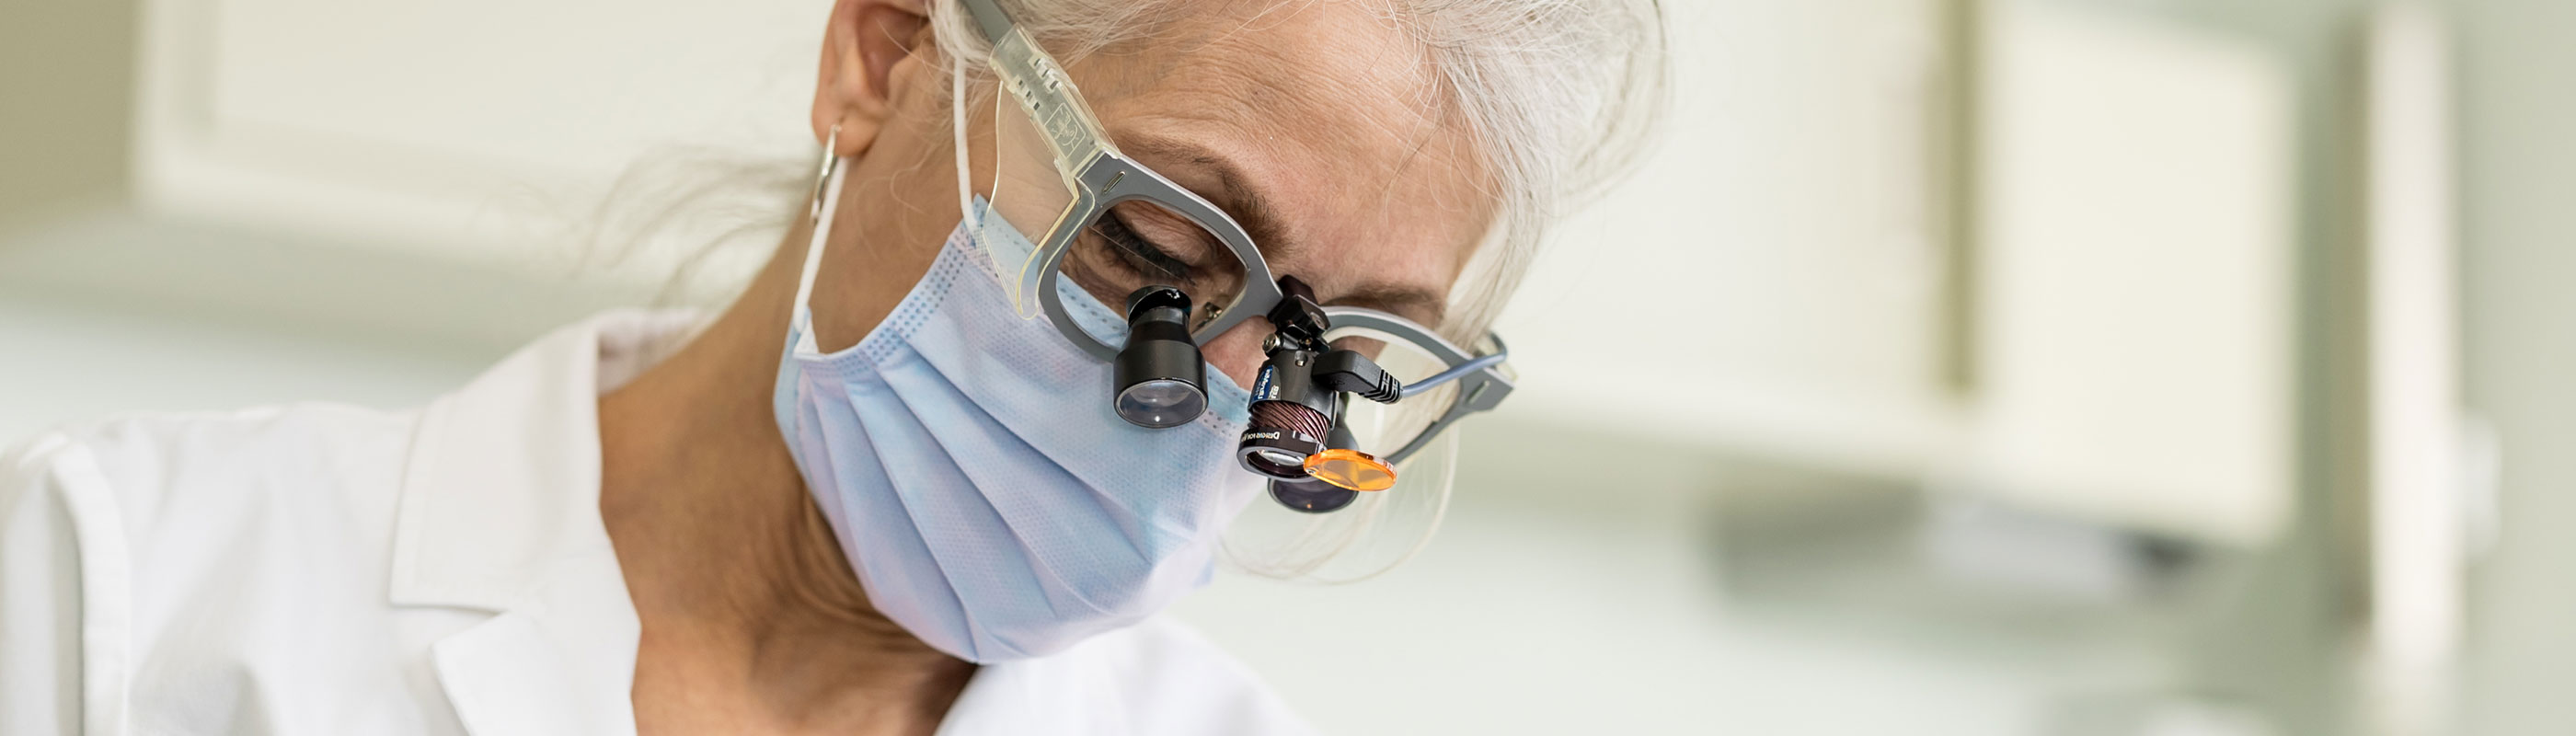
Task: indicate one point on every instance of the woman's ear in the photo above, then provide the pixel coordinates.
(862, 45)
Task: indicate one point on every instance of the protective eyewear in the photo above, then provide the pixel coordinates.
(1347, 392)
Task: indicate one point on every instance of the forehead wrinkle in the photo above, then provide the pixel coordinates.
(1247, 66)
(1251, 43)
(1259, 121)
(1392, 153)
(1401, 157)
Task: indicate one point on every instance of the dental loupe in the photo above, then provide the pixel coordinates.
(1298, 436)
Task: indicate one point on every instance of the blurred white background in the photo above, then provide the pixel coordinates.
(1958, 366)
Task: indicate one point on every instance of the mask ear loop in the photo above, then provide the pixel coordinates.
(957, 130)
(827, 202)
(827, 199)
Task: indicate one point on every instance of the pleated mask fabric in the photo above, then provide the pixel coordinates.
(990, 499)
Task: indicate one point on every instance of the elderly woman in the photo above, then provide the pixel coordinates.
(943, 460)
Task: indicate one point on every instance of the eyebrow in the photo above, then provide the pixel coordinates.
(1410, 302)
(1250, 207)
(1242, 200)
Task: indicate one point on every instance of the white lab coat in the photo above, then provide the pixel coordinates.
(319, 569)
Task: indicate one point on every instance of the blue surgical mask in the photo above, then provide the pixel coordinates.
(989, 498)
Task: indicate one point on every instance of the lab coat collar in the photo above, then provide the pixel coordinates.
(500, 512)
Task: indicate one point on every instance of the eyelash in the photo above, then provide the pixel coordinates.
(1132, 248)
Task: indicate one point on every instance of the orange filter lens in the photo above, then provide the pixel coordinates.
(1352, 469)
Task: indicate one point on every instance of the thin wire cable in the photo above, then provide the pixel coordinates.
(1453, 374)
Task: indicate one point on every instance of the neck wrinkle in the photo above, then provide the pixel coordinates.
(748, 605)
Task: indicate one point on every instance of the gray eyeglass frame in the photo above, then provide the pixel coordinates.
(1102, 177)
(1478, 391)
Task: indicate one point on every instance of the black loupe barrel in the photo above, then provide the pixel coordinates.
(1161, 380)
(1289, 416)
(1311, 496)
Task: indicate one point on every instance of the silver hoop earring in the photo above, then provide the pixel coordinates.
(823, 172)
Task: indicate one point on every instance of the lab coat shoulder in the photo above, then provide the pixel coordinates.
(1181, 683)
(1152, 679)
(258, 471)
(40, 585)
(191, 569)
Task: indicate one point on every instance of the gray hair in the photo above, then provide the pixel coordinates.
(1559, 95)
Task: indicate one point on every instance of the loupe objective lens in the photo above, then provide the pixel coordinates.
(1161, 403)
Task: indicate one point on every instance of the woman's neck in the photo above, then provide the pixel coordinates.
(752, 619)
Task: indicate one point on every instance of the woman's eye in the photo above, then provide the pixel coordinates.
(1138, 244)
(1138, 254)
